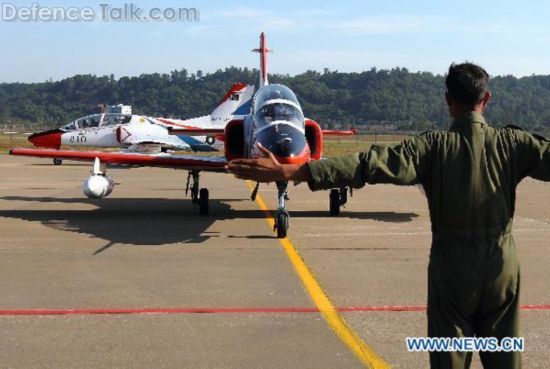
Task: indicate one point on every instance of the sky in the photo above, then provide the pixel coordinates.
(505, 37)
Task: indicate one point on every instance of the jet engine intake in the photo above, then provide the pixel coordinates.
(234, 139)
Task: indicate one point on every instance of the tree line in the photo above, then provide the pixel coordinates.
(412, 101)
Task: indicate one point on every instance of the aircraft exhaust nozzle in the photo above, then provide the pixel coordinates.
(98, 186)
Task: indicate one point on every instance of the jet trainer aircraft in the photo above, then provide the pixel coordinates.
(118, 127)
(276, 122)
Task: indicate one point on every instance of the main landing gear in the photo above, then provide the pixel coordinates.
(57, 161)
(198, 196)
(338, 197)
(282, 216)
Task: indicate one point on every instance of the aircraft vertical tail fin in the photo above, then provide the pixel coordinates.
(263, 50)
(236, 101)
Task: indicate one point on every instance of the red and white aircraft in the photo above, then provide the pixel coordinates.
(118, 127)
(276, 122)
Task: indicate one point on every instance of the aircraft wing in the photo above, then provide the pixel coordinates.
(183, 143)
(193, 127)
(186, 162)
(194, 131)
(333, 132)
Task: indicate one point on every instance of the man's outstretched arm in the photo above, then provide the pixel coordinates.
(535, 155)
(401, 164)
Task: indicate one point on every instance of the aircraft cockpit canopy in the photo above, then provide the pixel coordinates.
(97, 120)
(112, 119)
(277, 103)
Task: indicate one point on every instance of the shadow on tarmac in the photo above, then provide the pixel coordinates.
(158, 221)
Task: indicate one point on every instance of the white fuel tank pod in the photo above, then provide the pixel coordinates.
(98, 185)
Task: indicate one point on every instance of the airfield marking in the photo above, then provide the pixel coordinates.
(237, 310)
(361, 350)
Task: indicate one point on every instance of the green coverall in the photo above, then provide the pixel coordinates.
(469, 175)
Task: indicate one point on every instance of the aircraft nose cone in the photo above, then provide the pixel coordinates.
(284, 146)
(288, 144)
(50, 139)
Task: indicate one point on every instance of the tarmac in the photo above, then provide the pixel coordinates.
(140, 280)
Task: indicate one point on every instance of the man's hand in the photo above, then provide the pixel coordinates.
(266, 168)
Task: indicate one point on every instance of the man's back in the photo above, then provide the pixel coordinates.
(470, 174)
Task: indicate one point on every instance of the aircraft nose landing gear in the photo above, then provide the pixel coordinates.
(282, 217)
(200, 196)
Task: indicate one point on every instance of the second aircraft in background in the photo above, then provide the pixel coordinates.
(117, 127)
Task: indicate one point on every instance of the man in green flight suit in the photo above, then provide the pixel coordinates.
(469, 174)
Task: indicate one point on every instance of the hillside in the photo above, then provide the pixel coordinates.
(409, 100)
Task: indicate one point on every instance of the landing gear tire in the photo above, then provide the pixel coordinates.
(343, 196)
(203, 201)
(281, 224)
(57, 161)
(334, 203)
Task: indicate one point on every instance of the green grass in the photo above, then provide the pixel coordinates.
(333, 147)
(10, 141)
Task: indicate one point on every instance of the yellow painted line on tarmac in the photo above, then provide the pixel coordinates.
(361, 350)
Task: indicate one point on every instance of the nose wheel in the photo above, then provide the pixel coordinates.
(282, 218)
(281, 223)
(338, 197)
(199, 196)
(57, 161)
(203, 201)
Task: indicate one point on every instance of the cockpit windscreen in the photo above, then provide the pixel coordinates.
(279, 111)
(277, 103)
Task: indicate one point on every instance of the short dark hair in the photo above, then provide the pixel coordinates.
(467, 83)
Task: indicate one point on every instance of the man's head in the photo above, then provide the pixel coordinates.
(466, 88)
